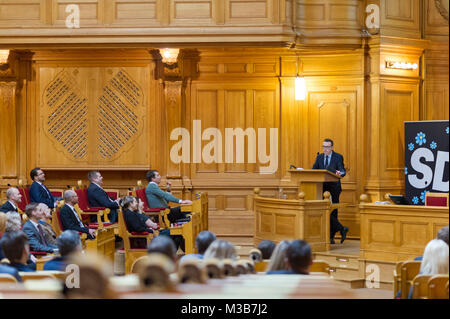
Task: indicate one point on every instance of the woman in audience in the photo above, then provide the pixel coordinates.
(278, 259)
(4, 268)
(49, 234)
(134, 222)
(13, 222)
(220, 249)
(147, 220)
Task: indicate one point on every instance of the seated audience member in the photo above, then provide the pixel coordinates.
(97, 197)
(15, 247)
(46, 221)
(133, 220)
(202, 242)
(68, 243)
(278, 259)
(220, 249)
(69, 217)
(35, 231)
(13, 197)
(39, 193)
(266, 247)
(3, 220)
(163, 245)
(442, 235)
(298, 259)
(13, 222)
(147, 220)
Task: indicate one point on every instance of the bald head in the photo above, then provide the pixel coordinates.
(14, 195)
(70, 197)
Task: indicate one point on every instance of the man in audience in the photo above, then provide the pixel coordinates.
(13, 197)
(97, 196)
(39, 193)
(68, 243)
(15, 247)
(34, 230)
(266, 247)
(202, 242)
(69, 217)
(298, 259)
(163, 245)
(45, 221)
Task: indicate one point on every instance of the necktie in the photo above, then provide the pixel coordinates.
(48, 193)
(41, 233)
(327, 161)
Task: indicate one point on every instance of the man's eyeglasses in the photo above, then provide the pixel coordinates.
(327, 146)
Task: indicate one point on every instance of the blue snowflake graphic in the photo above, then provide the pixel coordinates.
(420, 138)
(406, 170)
(415, 200)
(422, 196)
(411, 146)
(433, 145)
(446, 130)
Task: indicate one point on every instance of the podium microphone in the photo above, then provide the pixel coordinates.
(292, 167)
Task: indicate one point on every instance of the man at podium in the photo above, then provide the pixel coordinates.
(333, 162)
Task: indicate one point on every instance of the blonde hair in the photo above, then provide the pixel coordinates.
(3, 219)
(277, 260)
(435, 258)
(13, 222)
(220, 249)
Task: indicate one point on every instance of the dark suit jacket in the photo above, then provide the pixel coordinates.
(135, 223)
(336, 164)
(38, 194)
(22, 267)
(57, 263)
(34, 239)
(6, 269)
(97, 197)
(70, 222)
(7, 207)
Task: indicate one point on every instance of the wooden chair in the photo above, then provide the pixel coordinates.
(320, 266)
(154, 274)
(35, 276)
(409, 271)
(7, 278)
(255, 255)
(214, 270)
(85, 210)
(228, 268)
(242, 267)
(438, 287)
(420, 286)
(189, 231)
(192, 271)
(436, 199)
(113, 193)
(58, 228)
(201, 206)
(132, 254)
(397, 278)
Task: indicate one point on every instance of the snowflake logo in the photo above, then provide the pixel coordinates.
(411, 146)
(446, 130)
(415, 200)
(433, 145)
(406, 170)
(420, 138)
(422, 196)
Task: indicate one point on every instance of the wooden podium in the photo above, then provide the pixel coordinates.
(310, 181)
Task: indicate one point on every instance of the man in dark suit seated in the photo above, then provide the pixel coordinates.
(333, 162)
(16, 249)
(97, 197)
(69, 217)
(298, 259)
(13, 197)
(68, 243)
(39, 193)
(34, 230)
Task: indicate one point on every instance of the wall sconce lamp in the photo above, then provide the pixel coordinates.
(401, 65)
(4, 54)
(169, 56)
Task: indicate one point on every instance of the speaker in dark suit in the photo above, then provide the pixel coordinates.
(71, 221)
(334, 162)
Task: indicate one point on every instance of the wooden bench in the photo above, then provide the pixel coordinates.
(409, 271)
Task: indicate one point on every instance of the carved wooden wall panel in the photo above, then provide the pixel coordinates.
(400, 18)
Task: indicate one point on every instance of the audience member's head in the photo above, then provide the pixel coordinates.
(70, 197)
(299, 256)
(278, 258)
(13, 194)
(37, 175)
(129, 202)
(163, 245)
(68, 242)
(443, 234)
(3, 219)
(13, 222)
(32, 211)
(45, 211)
(204, 240)
(266, 247)
(435, 258)
(15, 246)
(153, 176)
(95, 177)
(220, 249)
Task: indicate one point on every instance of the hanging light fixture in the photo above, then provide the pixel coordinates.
(169, 56)
(300, 88)
(4, 54)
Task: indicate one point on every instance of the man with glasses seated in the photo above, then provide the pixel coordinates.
(333, 162)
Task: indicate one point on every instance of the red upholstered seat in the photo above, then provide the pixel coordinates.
(113, 195)
(25, 192)
(436, 201)
(140, 193)
(95, 225)
(58, 216)
(136, 233)
(57, 193)
(38, 253)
